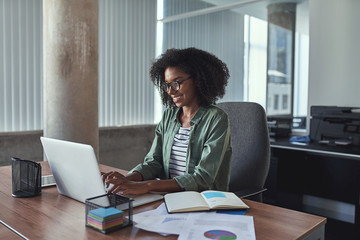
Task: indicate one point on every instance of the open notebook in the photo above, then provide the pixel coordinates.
(76, 171)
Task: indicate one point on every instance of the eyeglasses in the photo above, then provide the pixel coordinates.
(175, 85)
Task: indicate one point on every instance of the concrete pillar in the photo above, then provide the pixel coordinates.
(70, 63)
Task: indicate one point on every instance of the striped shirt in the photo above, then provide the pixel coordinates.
(177, 164)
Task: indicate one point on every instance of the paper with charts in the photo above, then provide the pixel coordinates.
(196, 225)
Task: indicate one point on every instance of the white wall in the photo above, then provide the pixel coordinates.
(334, 72)
(334, 64)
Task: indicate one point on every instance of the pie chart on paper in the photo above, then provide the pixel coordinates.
(220, 235)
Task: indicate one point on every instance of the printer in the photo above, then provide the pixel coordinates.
(335, 125)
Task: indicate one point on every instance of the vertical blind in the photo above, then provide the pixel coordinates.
(127, 40)
(127, 31)
(20, 65)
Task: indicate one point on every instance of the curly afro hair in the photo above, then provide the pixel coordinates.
(209, 73)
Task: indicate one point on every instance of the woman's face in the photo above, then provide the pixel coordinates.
(186, 95)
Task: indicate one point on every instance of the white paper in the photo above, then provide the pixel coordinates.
(195, 224)
(160, 221)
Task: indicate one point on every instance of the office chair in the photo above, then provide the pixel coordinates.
(250, 148)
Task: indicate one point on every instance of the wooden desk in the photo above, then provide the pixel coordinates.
(6, 233)
(53, 216)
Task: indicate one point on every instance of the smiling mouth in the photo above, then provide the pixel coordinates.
(175, 99)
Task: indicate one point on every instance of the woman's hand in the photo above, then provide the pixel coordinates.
(116, 177)
(134, 184)
(129, 187)
(120, 183)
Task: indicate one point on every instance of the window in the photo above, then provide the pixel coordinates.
(129, 38)
(276, 101)
(255, 41)
(238, 34)
(285, 103)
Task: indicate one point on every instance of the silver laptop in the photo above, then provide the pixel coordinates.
(76, 171)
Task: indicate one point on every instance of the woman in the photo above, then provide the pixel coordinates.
(192, 146)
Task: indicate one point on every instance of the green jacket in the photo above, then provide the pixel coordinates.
(209, 152)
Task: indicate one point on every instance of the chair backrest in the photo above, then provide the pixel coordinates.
(250, 145)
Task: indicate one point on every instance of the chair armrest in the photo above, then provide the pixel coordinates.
(249, 193)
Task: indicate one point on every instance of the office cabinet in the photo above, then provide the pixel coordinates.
(326, 172)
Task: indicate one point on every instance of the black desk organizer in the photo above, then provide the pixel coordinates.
(111, 200)
(26, 178)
